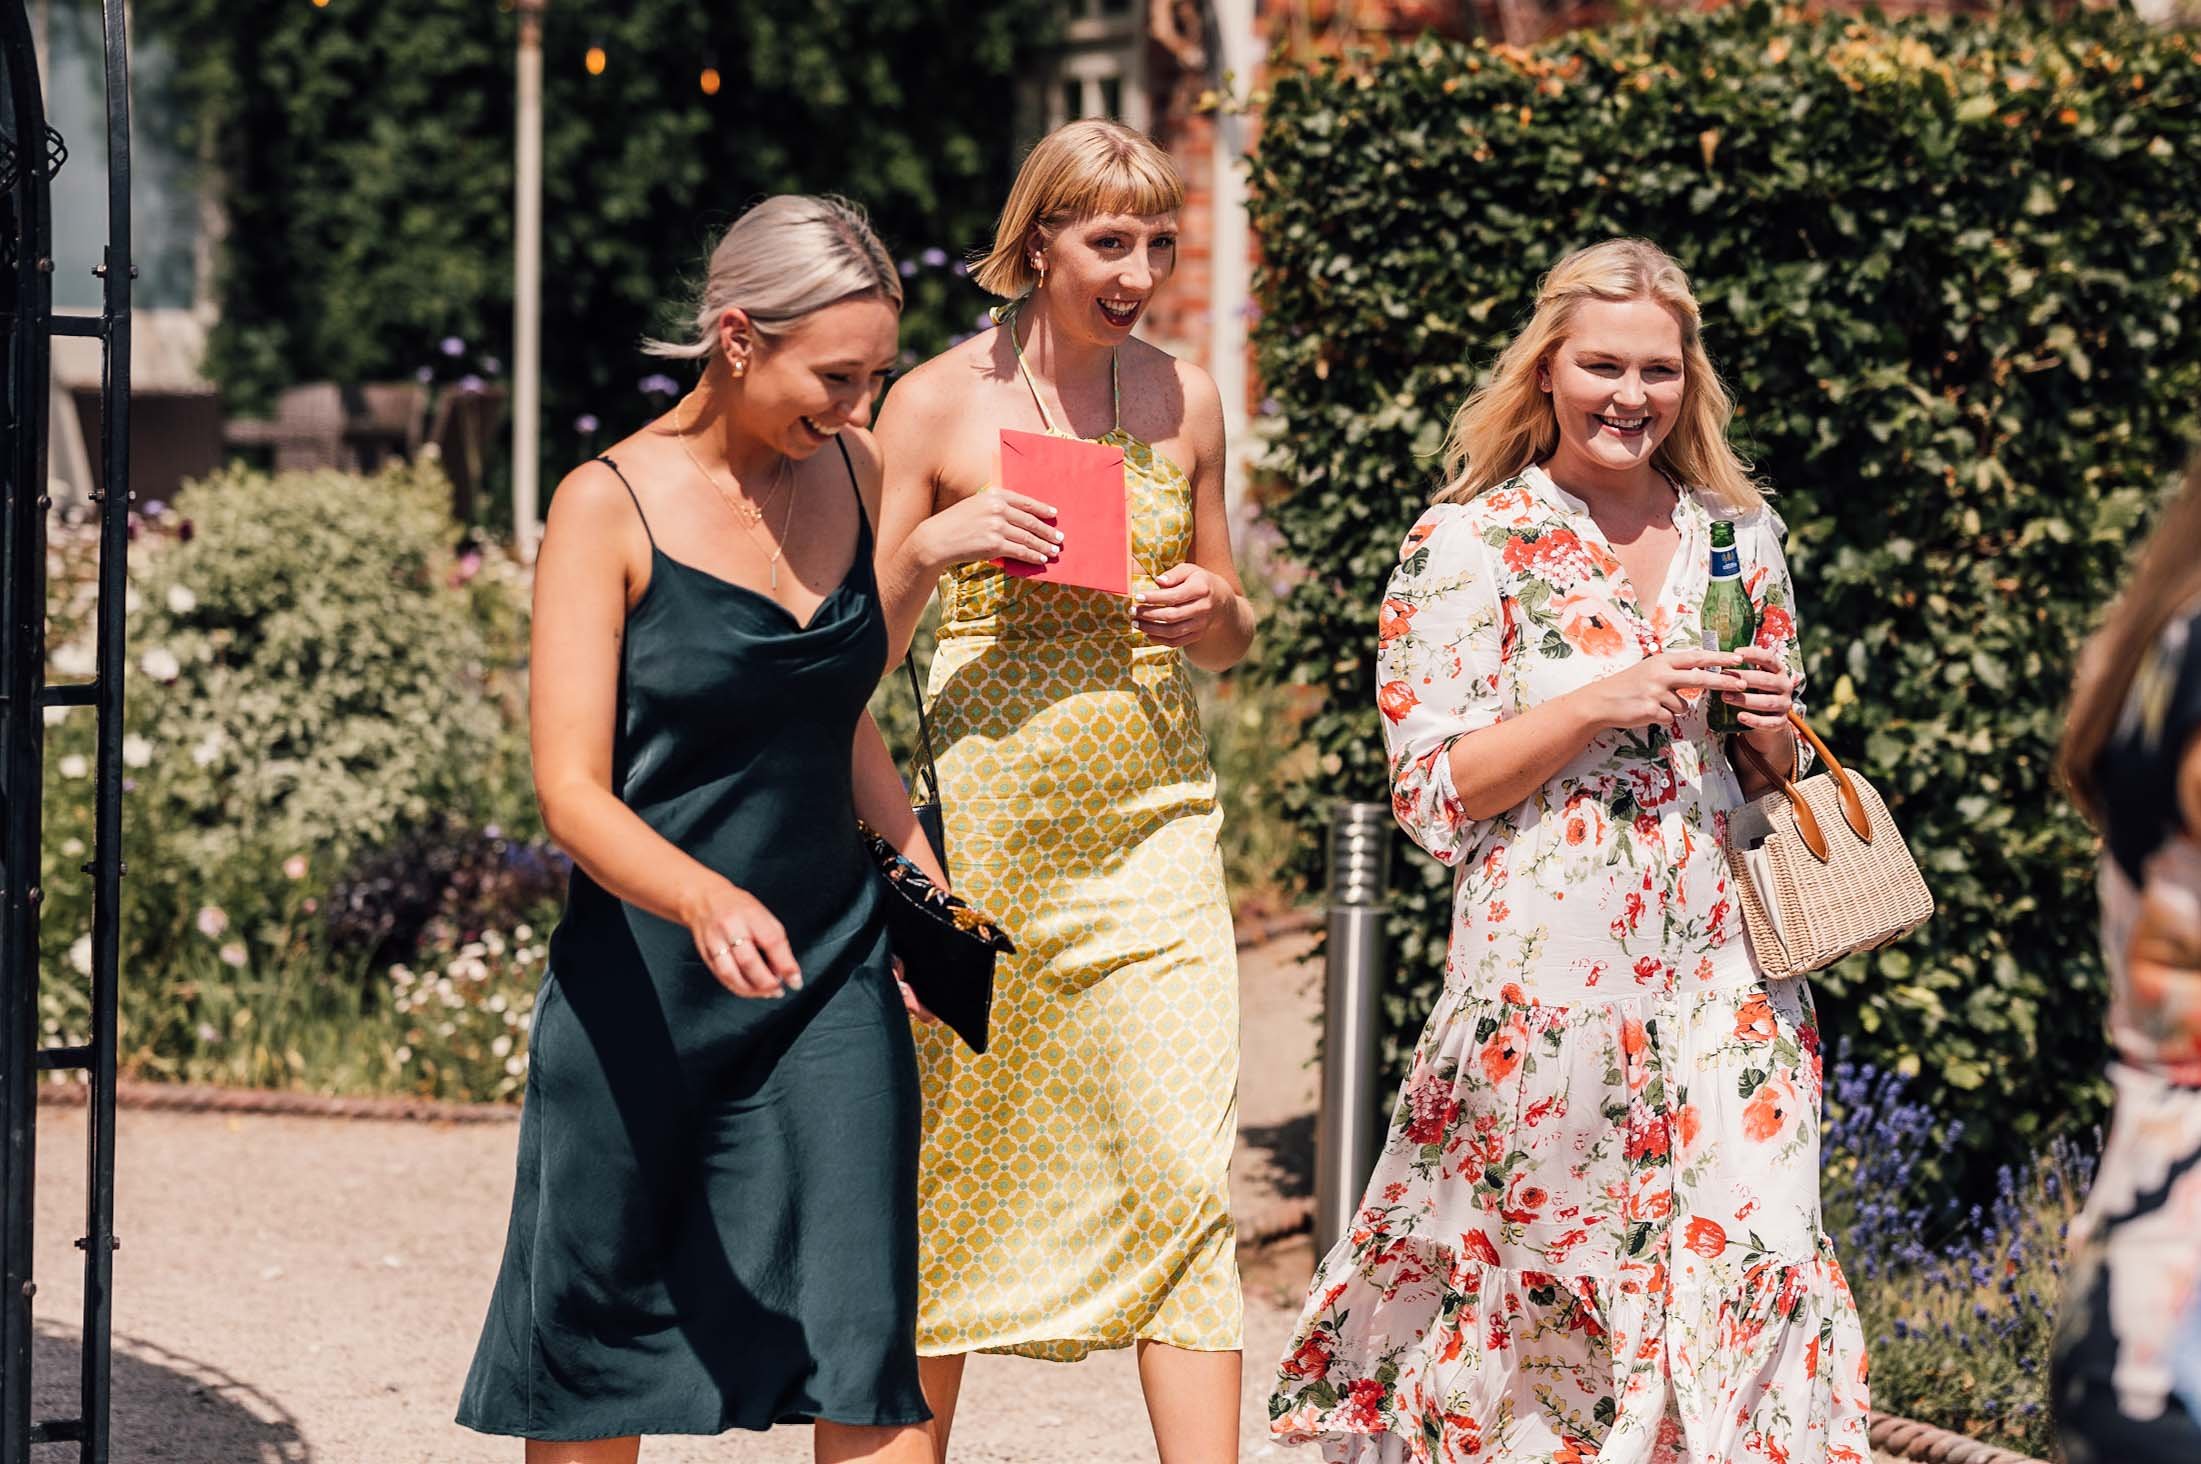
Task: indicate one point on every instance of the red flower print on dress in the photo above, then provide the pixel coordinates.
(1590, 624)
(1768, 1111)
(1364, 1404)
(1692, 1123)
(1646, 1141)
(1312, 1360)
(1433, 1107)
(1754, 1019)
(1555, 556)
(1648, 969)
(1396, 699)
(1476, 1246)
(1503, 1052)
(1708, 1238)
(1776, 628)
(1632, 1038)
(1394, 619)
(1416, 537)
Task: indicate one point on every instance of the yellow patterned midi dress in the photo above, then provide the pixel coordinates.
(1074, 1186)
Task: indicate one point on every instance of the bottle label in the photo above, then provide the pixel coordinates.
(1726, 564)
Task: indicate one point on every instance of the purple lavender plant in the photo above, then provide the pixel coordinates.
(1958, 1301)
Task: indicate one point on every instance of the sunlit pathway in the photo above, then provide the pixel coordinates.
(309, 1289)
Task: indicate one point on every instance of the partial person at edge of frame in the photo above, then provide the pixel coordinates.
(714, 1219)
(1075, 1178)
(1594, 1229)
(2125, 1373)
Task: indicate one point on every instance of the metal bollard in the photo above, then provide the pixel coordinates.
(1349, 1127)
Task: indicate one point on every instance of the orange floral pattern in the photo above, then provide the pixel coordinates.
(1594, 1231)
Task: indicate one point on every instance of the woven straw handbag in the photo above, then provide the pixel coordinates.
(1820, 867)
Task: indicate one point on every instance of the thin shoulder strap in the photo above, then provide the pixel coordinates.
(863, 514)
(926, 768)
(622, 477)
(1115, 380)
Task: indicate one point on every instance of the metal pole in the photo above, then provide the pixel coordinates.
(1230, 250)
(527, 286)
(22, 656)
(95, 1373)
(1349, 1128)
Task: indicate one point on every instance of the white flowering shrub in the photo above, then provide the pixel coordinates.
(312, 672)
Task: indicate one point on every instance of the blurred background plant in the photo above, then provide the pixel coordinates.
(326, 774)
(1958, 1301)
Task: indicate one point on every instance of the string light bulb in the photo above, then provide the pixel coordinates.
(594, 61)
(320, 4)
(709, 81)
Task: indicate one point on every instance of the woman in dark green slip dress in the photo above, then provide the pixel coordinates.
(714, 1224)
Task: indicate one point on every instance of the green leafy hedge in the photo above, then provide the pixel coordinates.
(1948, 268)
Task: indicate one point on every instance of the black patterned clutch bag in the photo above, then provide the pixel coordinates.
(947, 948)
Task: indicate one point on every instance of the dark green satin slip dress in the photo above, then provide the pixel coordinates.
(714, 1224)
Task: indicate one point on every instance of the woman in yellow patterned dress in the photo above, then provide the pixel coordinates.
(1074, 1180)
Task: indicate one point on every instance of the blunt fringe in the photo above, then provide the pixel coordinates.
(1078, 170)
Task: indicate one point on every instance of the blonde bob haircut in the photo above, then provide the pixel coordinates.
(1507, 423)
(1076, 171)
(789, 257)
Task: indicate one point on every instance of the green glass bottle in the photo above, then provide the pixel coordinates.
(1730, 620)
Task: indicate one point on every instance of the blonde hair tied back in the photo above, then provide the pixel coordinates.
(790, 256)
(1507, 423)
(1076, 171)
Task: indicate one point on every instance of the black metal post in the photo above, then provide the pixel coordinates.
(22, 743)
(118, 272)
(30, 326)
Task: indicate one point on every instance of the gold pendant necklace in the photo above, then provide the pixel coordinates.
(750, 515)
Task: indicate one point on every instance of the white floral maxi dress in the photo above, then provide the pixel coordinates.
(1593, 1233)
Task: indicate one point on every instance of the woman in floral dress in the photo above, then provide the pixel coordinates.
(1594, 1231)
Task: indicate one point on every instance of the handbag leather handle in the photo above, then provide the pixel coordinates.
(1807, 823)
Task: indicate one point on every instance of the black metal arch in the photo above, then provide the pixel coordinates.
(32, 152)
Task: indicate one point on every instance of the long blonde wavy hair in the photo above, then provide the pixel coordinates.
(1507, 423)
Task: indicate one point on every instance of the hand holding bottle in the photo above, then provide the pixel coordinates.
(1769, 690)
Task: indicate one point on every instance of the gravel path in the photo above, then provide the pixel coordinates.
(298, 1289)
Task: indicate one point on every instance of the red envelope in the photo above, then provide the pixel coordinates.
(1083, 482)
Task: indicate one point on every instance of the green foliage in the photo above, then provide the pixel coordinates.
(327, 687)
(1944, 266)
(365, 161)
(308, 677)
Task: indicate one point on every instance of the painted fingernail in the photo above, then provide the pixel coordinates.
(1058, 536)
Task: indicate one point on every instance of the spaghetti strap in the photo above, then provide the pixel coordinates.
(1115, 380)
(863, 513)
(622, 477)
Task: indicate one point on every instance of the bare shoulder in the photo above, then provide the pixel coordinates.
(937, 386)
(592, 506)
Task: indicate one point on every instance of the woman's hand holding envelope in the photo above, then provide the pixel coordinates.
(1181, 606)
(994, 524)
